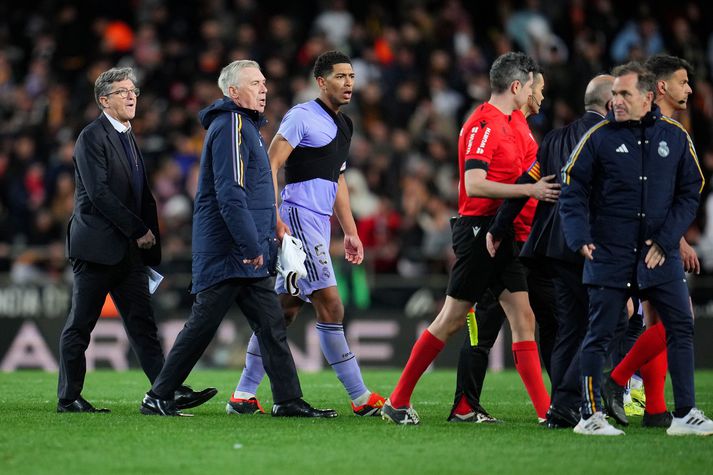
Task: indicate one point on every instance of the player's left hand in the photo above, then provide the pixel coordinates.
(353, 249)
(655, 256)
(492, 244)
(689, 258)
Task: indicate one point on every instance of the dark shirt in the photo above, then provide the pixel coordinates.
(135, 165)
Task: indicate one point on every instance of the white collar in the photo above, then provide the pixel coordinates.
(121, 128)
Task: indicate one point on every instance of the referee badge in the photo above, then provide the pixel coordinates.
(663, 149)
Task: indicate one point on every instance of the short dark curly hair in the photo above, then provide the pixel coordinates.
(326, 61)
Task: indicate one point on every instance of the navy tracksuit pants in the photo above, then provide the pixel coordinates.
(671, 300)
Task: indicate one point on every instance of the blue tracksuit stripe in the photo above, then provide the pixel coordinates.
(575, 154)
(590, 392)
(228, 225)
(691, 148)
(238, 165)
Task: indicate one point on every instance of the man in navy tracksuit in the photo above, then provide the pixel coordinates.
(234, 247)
(630, 190)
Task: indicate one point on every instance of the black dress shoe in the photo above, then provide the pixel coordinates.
(562, 417)
(300, 408)
(152, 406)
(79, 405)
(613, 399)
(187, 398)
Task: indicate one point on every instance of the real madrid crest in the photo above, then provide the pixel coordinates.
(663, 149)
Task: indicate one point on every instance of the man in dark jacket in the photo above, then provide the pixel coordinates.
(234, 246)
(630, 190)
(547, 247)
(112, 237)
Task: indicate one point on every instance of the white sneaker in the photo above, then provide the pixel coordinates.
(693, 423)
(596, 425)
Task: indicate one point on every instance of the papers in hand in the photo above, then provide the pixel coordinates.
(154, 279)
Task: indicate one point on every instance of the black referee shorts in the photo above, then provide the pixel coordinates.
(474, 271)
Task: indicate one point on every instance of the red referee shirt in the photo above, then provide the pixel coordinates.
(487, 142)
(528, 149)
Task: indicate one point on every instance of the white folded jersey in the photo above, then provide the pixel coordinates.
(291, 263)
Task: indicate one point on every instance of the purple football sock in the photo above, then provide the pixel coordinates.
(336, 351)
(254, 370)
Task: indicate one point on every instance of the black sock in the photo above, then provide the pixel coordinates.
(66, 402)
(681, 412)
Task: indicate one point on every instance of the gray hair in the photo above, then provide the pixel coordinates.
(102, 86)
(646, 79)
(229, 74)
(511, 67)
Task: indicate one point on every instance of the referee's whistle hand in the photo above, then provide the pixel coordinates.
(546, 189)
(492, 244)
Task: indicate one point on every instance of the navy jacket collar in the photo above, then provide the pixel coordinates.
(647, 120)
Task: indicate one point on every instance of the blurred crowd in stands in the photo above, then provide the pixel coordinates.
(421, 67)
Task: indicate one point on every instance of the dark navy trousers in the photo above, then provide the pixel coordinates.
(572, 311)
(671, 300)
(258, 301)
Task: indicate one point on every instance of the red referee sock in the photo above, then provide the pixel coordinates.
(527, 362)
(463, 407)
(654, 376)
(423, 353)
(651, 343)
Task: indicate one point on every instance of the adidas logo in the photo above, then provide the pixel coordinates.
(694, 421)
(622, 149)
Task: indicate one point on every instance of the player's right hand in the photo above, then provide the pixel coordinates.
(546, 190)
(281, 229)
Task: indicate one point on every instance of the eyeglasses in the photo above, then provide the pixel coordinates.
(124, 93)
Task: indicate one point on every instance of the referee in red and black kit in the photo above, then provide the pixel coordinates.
(473, 358)
(489, 164)
(547, 251)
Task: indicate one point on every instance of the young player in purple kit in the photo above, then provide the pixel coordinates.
(315, 137)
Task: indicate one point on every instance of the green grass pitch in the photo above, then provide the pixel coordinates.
(36, 440)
